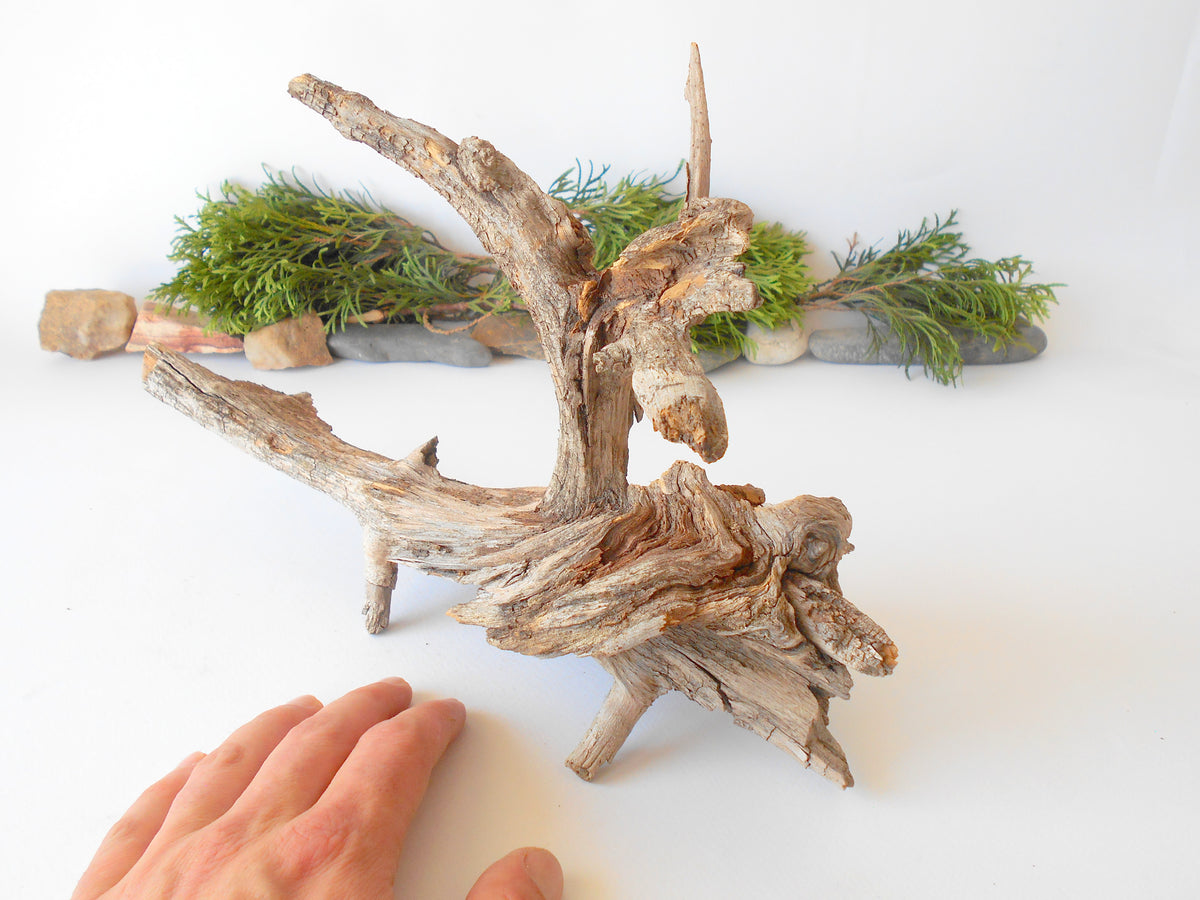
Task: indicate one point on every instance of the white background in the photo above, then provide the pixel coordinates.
(1028, 539)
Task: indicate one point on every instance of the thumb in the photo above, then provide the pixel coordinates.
(530, 873)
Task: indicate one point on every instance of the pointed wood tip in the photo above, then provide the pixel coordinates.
(301, 84)
(695, 76)
(425, 455)
(700, 154)
(317, 94)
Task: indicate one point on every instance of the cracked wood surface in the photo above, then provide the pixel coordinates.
(677, 585)
(693, 587)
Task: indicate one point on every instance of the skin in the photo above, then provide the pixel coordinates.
(304, 801)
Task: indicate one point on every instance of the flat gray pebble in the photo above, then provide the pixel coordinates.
(407, 342)
(978, 352)
(853, 346)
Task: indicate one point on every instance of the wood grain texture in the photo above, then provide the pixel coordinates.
(700, 151)
(677, 585)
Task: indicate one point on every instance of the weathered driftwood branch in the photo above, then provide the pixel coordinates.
(700, 152)
(678, 585)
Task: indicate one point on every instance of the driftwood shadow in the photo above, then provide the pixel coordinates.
(986, 678)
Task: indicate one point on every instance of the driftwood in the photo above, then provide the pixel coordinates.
(678, 585)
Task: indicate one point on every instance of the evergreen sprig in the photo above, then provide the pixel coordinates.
(615, 214)
(775, 263)
(252, 258)
(928, 293)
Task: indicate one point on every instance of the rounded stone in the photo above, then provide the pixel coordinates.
(84, 324)
(774, 347)
(289, 344)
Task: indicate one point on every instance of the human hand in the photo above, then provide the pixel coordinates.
(304, 801)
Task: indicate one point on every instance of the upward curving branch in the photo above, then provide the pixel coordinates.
(617, 342)
(541, 246)
(678, 585)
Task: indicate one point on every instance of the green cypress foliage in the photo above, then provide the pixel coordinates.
(252, 258)
(616, 214)
(925, 287)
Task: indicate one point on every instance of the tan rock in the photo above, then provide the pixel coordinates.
(84, 324)
(289, 344)
(511, 333)
(178, 330)
(778, 346)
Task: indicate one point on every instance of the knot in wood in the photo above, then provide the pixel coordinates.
(725, 220)
(613, 358)
(482, 165)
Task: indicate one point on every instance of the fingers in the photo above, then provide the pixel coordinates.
(527, 874)
(295, 776)
(221, 777)
(128, 839)
(377, 792)
(334, 788)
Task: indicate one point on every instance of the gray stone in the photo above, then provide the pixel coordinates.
(774, 347)
(711, 360)
(84, 324)
(853, 345)
(407, 342)
(288, 344)
(977, 351)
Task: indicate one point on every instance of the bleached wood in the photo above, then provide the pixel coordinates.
(539, 244)
(622, 708)
(676, 585)
(700, 154)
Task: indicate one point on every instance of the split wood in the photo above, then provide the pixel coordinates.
(678, 585)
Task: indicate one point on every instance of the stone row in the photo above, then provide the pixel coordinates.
(86, 324)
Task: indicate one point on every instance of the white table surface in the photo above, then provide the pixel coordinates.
(1029, 539)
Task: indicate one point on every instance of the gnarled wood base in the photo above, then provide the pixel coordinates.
(688, 586)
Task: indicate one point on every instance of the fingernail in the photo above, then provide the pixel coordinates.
(306, 701)
(398, 682)
(456, 708)
(191, 759)
(544, 871)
